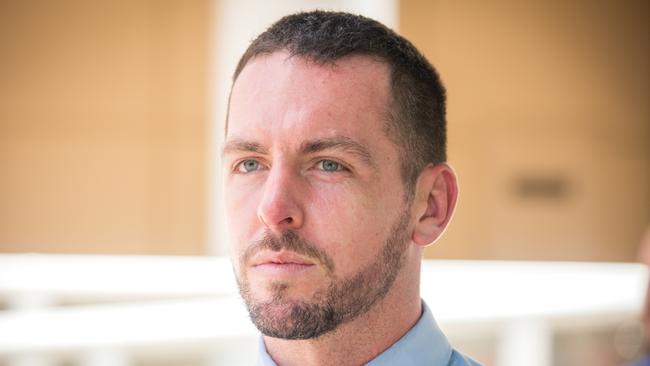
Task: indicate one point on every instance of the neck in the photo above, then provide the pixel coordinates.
(364, 338)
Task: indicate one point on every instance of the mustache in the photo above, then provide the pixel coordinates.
(289, 241)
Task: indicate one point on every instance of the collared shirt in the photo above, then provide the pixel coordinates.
(424, 344)
(643, 362)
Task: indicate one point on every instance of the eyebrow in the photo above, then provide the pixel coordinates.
(343, 143)
(239, 145)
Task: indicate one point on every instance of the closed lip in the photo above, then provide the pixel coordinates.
(282, 257)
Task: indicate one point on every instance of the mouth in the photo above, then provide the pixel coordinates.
(280, 263)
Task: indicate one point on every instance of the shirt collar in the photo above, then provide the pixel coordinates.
(424, 344)
(263, 358)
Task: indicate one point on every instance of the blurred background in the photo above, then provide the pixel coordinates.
(111, 114)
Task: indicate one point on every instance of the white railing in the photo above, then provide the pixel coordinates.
(111, 310)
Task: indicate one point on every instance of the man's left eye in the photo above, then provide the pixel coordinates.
(330, 166)
(248, 166)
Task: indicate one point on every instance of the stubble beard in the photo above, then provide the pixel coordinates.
(344, 299)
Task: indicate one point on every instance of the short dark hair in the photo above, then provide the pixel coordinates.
(417, 115)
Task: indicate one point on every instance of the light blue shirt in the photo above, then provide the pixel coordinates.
(424, 344)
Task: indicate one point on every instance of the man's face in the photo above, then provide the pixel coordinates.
(317, 216)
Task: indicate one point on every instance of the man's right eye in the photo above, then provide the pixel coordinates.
(248, 166)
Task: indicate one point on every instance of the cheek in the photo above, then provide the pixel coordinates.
(350, 223)
(240, 201)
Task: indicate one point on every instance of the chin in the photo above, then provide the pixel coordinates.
(292, 320)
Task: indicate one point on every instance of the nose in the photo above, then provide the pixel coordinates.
(280, 208)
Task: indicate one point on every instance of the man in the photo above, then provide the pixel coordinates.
(335, 181)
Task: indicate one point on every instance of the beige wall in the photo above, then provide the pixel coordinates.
(102, 126)
(552, 93)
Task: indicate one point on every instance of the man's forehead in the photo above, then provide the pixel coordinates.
(276, 75)
(272, 64)
(279, 91)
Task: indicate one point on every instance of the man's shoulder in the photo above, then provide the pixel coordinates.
(459, 359)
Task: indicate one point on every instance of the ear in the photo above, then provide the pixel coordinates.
(435, 198)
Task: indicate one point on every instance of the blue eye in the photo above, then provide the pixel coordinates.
(248, 166)
(330, 165)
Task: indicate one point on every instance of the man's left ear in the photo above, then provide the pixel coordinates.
(435, 198)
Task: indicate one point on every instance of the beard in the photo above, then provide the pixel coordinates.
(342, 301)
